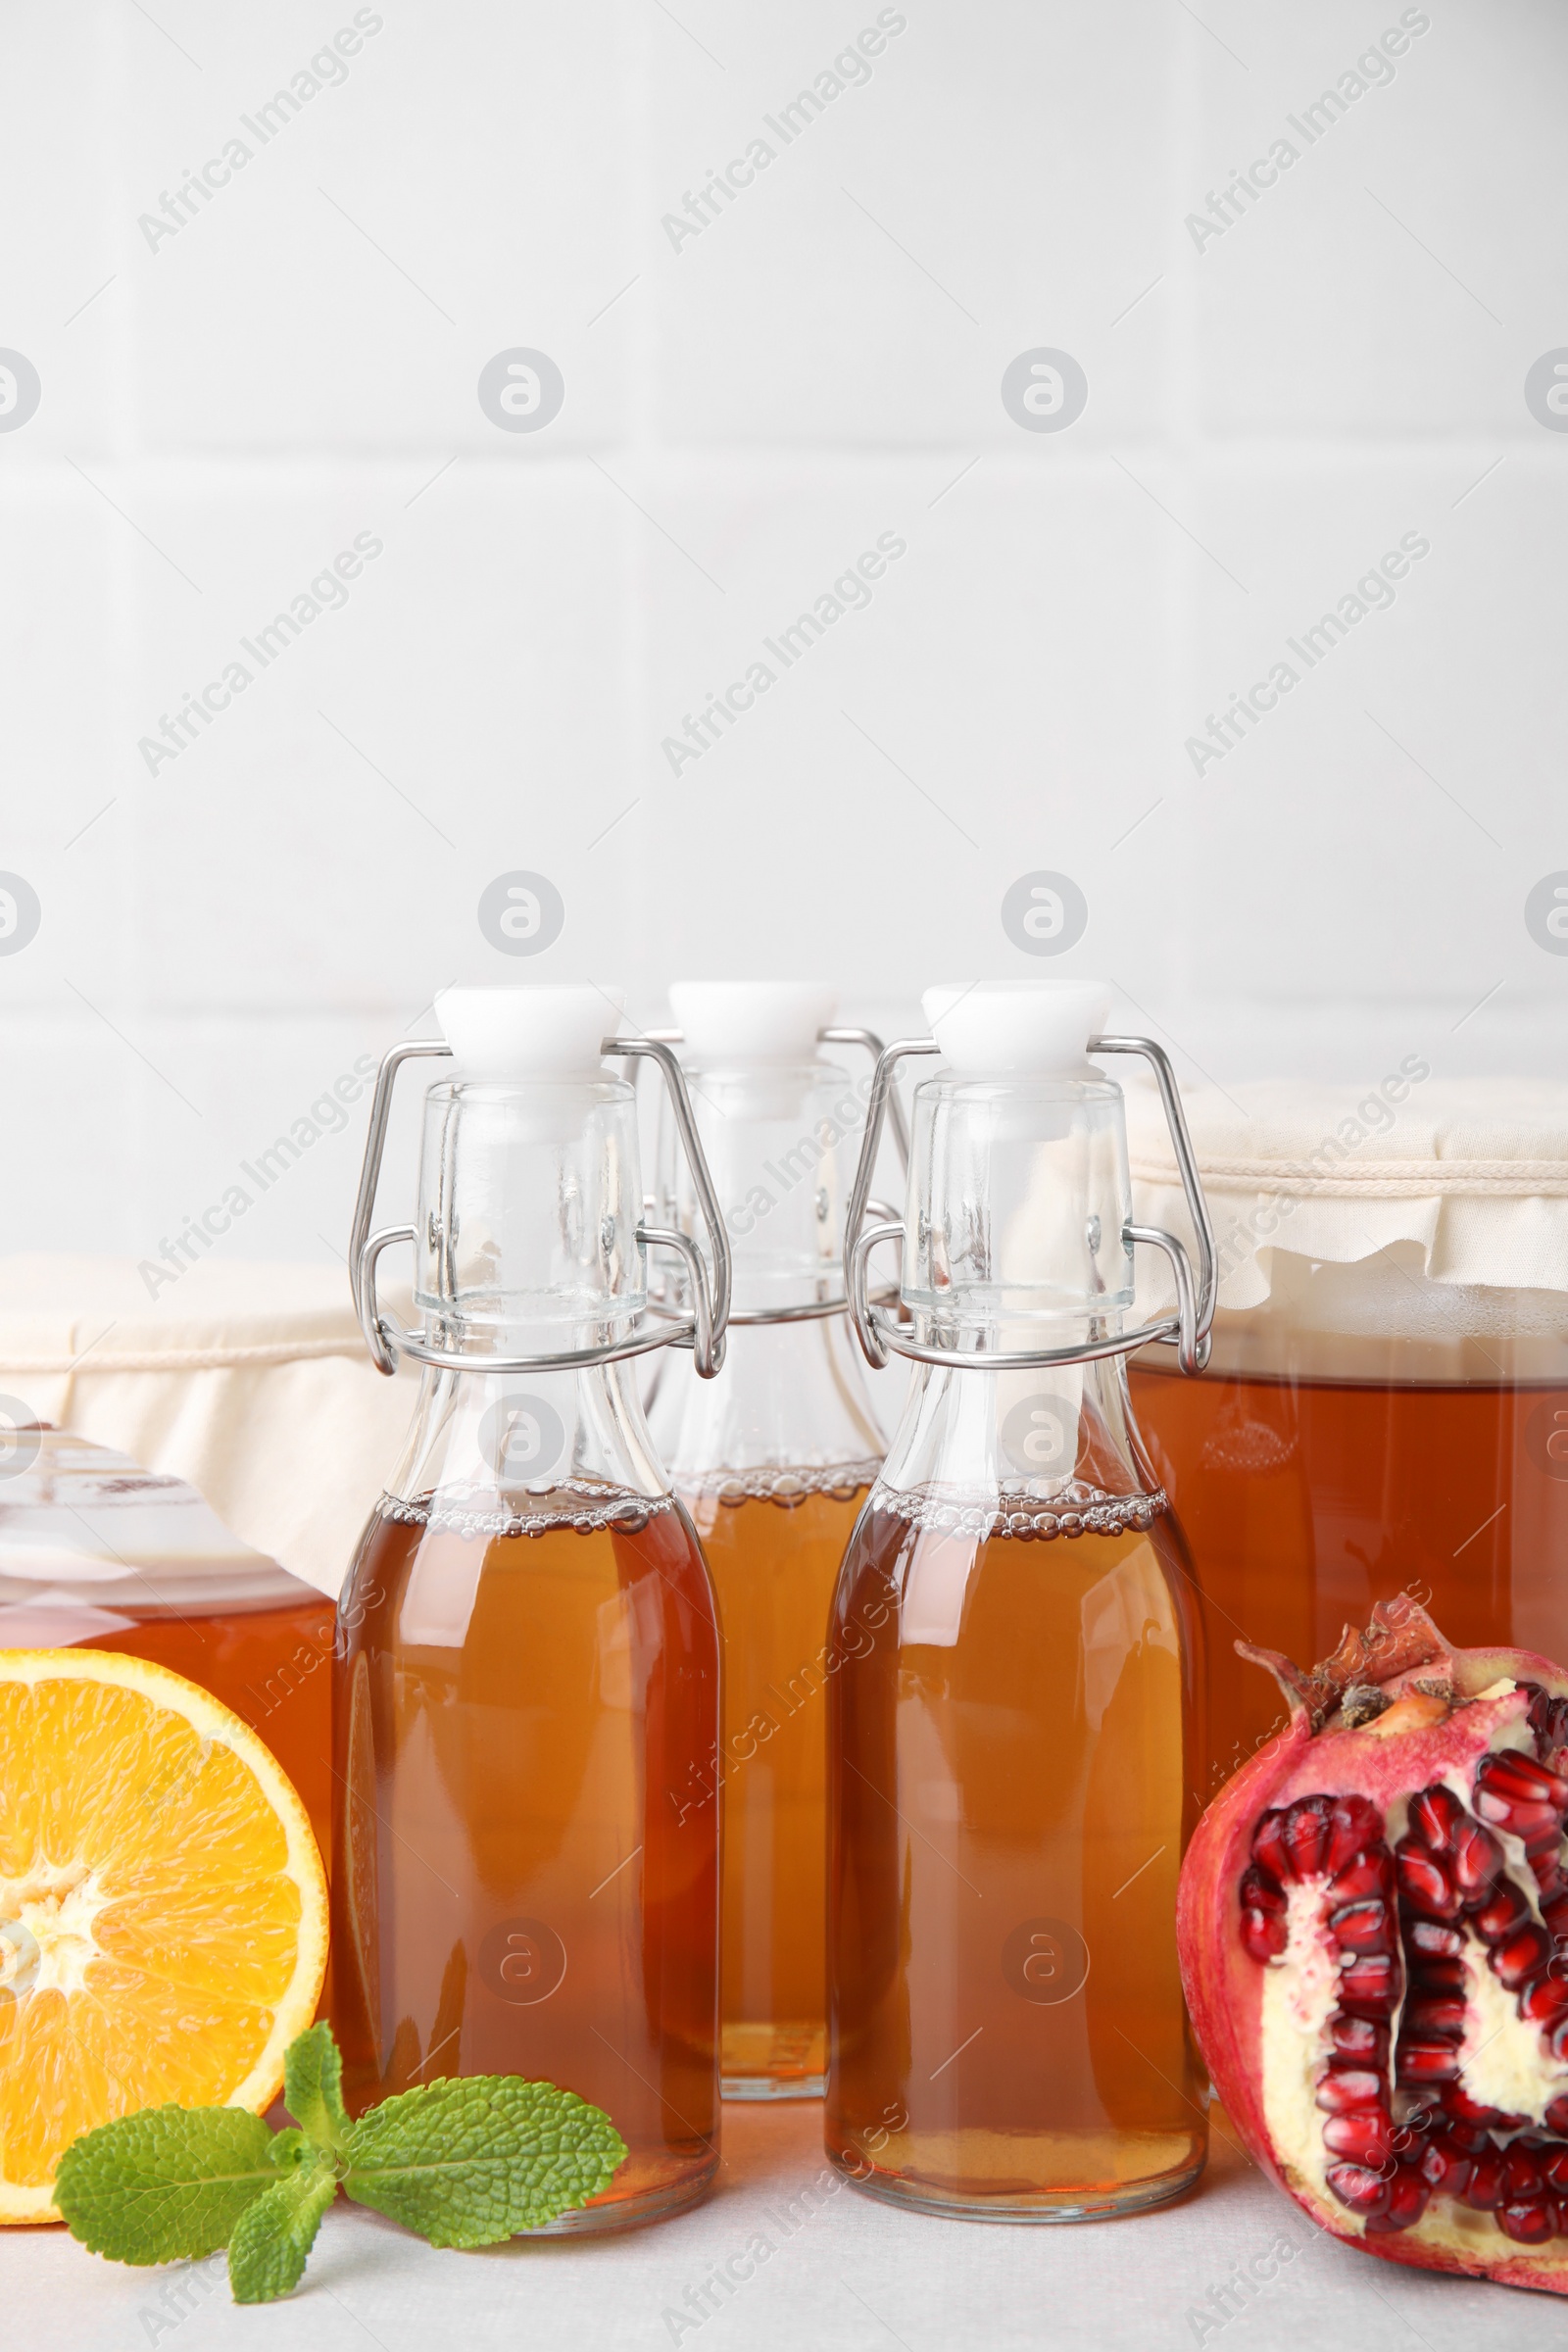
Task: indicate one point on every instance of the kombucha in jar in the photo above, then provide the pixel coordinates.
(97, 1553)
(1366, 1431)
(1015, 1714)
(1384, 1408)
(773, 1460)
(527, 1692)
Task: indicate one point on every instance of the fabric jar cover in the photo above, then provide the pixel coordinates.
(250, 1381)
(1465, 1181)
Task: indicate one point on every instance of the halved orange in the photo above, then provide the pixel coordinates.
(163, 1907)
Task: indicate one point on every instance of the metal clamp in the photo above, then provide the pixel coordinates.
(703, 1330)
(1188, 1327)
(816, 1309)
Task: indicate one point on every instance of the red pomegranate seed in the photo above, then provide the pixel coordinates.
(1554, 2164)
(1548, 1871)
(1532, 1823)
(1361, 2136)
(1431, 1942)
(1438, 2012)
(1558, 2044)
(1364, 1874)
(1435, 1814)
(1407, 2202)
(1445, 2166)
(1307, 1831)
(1505, 1909)
(1358, 2037)
(1428, 2062)
(1466, 2109)
(1354, 2086)
(1546, 2001)
(1511, 1773)
(1522, 1957)
(1557, 2115)
(1485, 2192)
(1363, 1926)
(1268, 1846)
(1364, 2192)
(1477, 1860)
(1355, 1824)
(1370, 1987)
(1549, 1719)
(1529, 2224)
(1262, 1935)
(1260, 1890)
(1521, 2175)
(1424, 1882)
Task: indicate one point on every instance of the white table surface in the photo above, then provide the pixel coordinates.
(854, 2276)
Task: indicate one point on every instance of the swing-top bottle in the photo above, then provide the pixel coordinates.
(1013, 1718)
(772, 1459)
(529, 1654)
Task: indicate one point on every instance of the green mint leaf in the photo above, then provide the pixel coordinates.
(313, 2089)
(465, 2162)
(273, 2238)
(166, 2184)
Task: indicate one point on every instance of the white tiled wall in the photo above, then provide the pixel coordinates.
(748, 411)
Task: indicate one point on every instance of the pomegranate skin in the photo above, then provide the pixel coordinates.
(1224, 1982)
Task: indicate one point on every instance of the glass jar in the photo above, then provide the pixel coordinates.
(772, 1459)
(98, 1554)
(528, 1688)
(1386, 1407)
(1014, 1701)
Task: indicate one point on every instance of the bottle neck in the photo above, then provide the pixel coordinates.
(792, 1397)
(780, 1142)
(1058, 1451)
(488, 1449)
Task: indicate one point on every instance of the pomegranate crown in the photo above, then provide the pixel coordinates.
(1400, 1652)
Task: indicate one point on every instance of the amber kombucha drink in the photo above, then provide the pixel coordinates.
(1006, 1829)
(1307, 1498)
(530, 1859)
(773, 1542)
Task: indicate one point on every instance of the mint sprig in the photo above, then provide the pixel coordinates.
(274, 2236)
(461, 2161)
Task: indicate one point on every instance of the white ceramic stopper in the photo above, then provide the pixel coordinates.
(730, 1022)
(1016, 1028)
(550, 1030)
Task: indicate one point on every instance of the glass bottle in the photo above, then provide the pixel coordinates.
(1014, 1715)
(772, 1459)
(526, 1695)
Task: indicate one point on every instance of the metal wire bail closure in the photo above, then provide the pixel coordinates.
(816, 1309)
(1188, 1327)
(701, 1331)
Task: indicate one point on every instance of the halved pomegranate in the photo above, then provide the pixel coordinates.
(1373, 1924)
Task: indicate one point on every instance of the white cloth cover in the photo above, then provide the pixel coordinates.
(251, 1382)
(1472, 1174)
